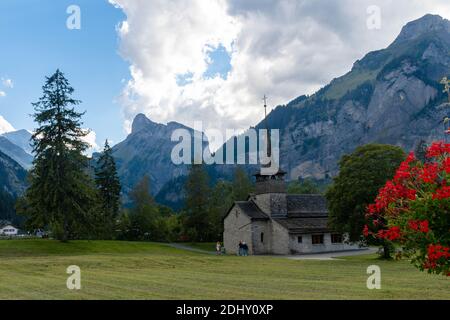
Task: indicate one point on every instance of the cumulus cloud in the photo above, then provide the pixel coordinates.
(279, 48)
(91, 139)
(8, 83)
(2, 93)
(5, 126)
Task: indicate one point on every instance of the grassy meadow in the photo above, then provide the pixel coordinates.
(36, 269)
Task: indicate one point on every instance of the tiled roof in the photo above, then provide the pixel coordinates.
(306, 205)
(304, 225)
(251, 209)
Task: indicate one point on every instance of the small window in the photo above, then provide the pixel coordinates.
(299, 239)
(317, 239)
(336, 238)
(262, 236)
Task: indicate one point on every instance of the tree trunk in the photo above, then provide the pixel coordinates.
(386, 251)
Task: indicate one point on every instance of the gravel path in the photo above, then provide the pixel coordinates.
(186, 247)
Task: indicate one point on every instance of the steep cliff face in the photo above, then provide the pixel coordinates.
(147, 151)
(390, 96)
(15, 152)
(12, 176)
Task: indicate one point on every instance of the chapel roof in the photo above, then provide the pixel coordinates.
(306, 205)
(251, 210)
(304, 225)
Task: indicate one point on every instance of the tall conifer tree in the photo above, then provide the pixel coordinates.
(60, 193)
(108, 186)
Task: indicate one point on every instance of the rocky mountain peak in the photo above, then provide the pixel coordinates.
(426, 24)
(141, 122)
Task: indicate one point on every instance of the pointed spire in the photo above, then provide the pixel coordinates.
(269, 142)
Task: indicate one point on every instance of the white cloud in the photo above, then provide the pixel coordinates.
(2, 93)
(5, 126)
(279, 48)
(8, 83)
(91, 139)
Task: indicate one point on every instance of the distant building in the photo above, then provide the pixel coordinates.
(7, 229)
(274, 222)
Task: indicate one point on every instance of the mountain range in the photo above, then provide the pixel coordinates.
(390, 96)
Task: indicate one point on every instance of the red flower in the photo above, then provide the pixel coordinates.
(418, 225)
(436, 252)
(392, 233)
(442, 193)
(366, 231)
(446, 165)
(429, 173)
(437, 149)
(404, 172)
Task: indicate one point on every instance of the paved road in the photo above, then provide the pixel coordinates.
(332, 255)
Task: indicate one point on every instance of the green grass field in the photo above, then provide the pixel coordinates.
(36, 269)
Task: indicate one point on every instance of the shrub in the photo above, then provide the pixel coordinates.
(413, 210)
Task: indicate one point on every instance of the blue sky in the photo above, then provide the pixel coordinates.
(36, 42)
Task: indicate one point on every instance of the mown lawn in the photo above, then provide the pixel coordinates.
(36, 269)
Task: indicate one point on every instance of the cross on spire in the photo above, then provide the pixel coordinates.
(269, 144)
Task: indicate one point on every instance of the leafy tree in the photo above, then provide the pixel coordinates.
(108, 186)
(242, 185)
(362, 174)
(61, 194)
(305, 186)
(144, 212)
(197, 206)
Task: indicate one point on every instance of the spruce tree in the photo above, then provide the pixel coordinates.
(108, 186)
(61, 193)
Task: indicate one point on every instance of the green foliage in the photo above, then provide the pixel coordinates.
(362, 174)
(147, 221)
(206, 207)
(306, 186)
(196, 211)
(61, 195)
(7, 211)
(108, 186)
(242, 185)
(222, 197)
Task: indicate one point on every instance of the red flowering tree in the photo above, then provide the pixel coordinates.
(413, 210)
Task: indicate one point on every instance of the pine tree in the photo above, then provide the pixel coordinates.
(61, 193)
(197, 192)
(108, 186)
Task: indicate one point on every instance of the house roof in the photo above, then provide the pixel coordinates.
(304, 225)
(306, 205)
(251, 209)
(4, 223)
